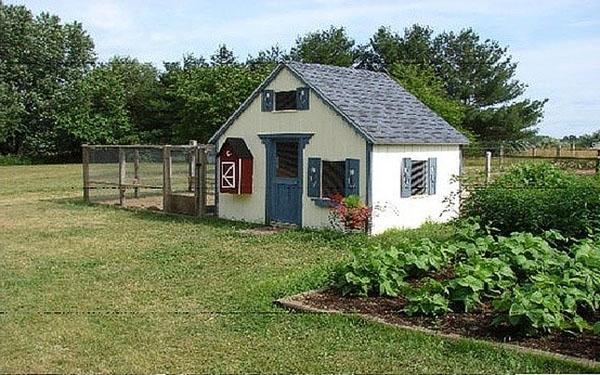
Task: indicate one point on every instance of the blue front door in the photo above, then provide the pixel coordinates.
(285, 198)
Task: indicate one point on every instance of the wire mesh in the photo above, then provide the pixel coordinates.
(134, 176)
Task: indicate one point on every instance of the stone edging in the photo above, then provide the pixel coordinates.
(292, 303)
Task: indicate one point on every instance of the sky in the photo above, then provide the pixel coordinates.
(555, 42)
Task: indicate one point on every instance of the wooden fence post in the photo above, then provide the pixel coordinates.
(192, 165)
(167, 164)
(558, 150)
(85, 160)
(488, 166)
(501, 155)
(598, 163)
(572, 148)
(122, 172)
(136, 172)
(534, 151)
(201, 168)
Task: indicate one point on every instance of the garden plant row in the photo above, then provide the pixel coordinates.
(526, 252)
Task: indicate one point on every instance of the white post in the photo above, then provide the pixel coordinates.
(192, 165)
(167, 166)
(488, 166)
(122, 173)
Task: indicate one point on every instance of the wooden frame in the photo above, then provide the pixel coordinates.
(194, 202)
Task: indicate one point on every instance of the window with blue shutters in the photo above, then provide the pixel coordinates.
(285, 100)
(418, 177)
(327, 178)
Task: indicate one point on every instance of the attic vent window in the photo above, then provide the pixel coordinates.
(285, 100)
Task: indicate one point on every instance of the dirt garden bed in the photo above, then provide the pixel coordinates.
(473, 325)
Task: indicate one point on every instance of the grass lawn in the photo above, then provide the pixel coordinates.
(193, 296)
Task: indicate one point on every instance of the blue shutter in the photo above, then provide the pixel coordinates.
(431, 175)
(314, 177)
(302, 94)
(267, 100)
(405, 188)
(352, 181)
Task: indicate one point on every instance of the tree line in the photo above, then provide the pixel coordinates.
(55, 95)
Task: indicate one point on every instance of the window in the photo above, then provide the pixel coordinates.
(326, 178)
(418, 177)
(285, 100)
(287, 159)
(333, 178)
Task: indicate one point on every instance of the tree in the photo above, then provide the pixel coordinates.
(332, 46)
(415, 47)
(479, 74)
(428, 88)
(270, 57)
(584, 140)
(223, 56)
(39, 58)
(144, 99)
(94, 110)
(206, 96)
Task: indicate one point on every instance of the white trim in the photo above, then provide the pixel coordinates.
(228, 176)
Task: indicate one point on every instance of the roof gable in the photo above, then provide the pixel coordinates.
(375, 105)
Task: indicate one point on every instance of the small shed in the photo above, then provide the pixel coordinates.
(311, 131)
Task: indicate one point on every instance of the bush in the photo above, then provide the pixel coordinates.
(349, 213)
(14, 160)
(536, 197)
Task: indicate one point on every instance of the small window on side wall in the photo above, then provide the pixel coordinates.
(418, 177)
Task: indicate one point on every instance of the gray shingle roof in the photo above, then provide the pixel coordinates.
(379, 106)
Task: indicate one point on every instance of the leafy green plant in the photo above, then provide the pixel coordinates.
(372, 269)
(428, 299)
(536, 283)
(479, 277)
(549, 303)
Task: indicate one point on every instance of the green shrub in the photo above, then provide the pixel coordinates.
(14, 160)
(536, 197)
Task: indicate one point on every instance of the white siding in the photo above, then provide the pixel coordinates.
(333, 139)
(392, 211)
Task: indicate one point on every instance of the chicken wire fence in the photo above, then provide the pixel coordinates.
(177, 179)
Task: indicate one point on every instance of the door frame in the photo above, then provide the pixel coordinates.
(269, 142)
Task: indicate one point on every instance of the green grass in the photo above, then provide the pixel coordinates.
(59, 255)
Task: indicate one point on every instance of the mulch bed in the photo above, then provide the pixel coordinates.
(475, 325)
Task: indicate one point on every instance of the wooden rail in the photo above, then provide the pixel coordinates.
(197, 176)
